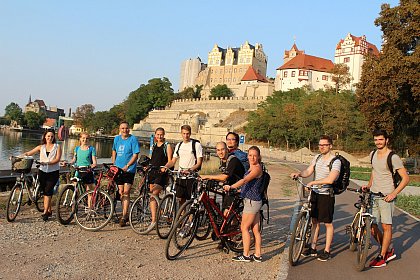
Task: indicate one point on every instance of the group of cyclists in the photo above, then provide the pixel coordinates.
(238, 170)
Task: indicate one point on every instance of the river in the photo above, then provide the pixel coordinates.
(14, 143)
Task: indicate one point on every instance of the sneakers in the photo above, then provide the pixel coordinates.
(151, 227)
(309, 253)
(220, 246)
(378, 262)
(44, 217)
(123, 222)
(325, 256)
(256, 259)
(241, 258)
(390, 255)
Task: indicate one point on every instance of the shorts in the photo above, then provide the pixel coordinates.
(382, 211)
(125, 178)
(158, 178)
(252, 206)
(86, 177)
(47, 181)
(322, 207)
(184, 188)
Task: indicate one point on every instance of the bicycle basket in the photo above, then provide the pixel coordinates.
(113, 172)
(22, 164)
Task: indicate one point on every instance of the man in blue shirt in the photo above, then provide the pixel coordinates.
(125, 152)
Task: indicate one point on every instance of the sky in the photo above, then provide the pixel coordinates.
(70, 53)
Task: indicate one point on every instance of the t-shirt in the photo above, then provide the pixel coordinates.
(235, 170)
(322, 170)
(84, 157)
(382, 177)
(125, 149)
(186, 156)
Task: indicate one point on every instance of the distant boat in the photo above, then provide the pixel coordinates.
(16, 128)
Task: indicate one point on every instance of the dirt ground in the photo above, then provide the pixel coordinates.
(33, 249)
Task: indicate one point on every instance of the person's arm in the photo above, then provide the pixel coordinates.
(94, 162)
(332, 176)
(197, 165)
(33, 151)
(113, 156)
(404, 182)
(369, 185)
(169, 152)
(218, 177)
(170, 163)
(305, 173)
(255, 173)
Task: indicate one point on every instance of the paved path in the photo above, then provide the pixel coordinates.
(406, 232)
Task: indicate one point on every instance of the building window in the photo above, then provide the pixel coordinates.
(346, 59)
(324, 77)
(220, 80)
(285, 74)
(234, 79)
(293, 73)
(212, 71)
(300, 72)
(240, 70)
(211, 80)
(234, 70)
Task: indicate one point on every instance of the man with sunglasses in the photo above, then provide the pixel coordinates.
(322, 200)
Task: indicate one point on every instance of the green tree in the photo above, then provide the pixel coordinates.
(34, 120)
(190, 93)
(14, 113)
(221, 91)
(389, 90)
(340, 76)
(157, 93)
(106, 120)
(83, 115)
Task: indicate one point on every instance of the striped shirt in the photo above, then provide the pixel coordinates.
(322, 170)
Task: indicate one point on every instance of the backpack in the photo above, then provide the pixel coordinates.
(243, 158)
(396, 177)
(265, 182)
(343, 180)
(90, 152)
(165, 146)
(194, 141)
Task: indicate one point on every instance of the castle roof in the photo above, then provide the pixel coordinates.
(252, 75)
(294, 48)
(357, 42)
(308, 62)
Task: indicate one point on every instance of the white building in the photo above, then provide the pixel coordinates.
(189, 72)
(351, 51)
(300, 69)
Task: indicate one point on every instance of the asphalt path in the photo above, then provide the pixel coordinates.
(406, 234)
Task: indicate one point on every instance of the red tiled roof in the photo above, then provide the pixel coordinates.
(49, 122)
(371, 47)
(286, 53)
(309, 62)
(252, 75)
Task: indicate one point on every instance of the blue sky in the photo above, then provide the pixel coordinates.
(78, 52)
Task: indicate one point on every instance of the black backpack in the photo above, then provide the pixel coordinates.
(265, 182)
(343, 180)
(194, 141)
(396, 177)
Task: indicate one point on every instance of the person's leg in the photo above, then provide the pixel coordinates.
(377, 234)
(247, 220)
(47, 204)
(328, 236)
(315, 232)
(125, 199)
(386, 239)
(155, 189)
(257, 234)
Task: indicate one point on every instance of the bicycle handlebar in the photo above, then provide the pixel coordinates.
(360, 191)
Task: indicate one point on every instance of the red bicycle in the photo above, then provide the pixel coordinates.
(226, 228)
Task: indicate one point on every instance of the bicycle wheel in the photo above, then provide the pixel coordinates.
(140, 215)
(204, 226)
(66, 205)
(353, 232)
(181, 235)
(166, 215)
(363, 244)
(14, 202)
(39, 198)
(298, 238)
(99, 213)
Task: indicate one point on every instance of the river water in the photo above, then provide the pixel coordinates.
(14, 143)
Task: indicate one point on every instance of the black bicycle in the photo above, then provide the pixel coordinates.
(25, 180)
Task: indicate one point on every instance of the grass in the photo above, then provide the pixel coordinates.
(409, 203)
(363, 173)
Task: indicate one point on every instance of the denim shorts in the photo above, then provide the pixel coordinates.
(382, 211)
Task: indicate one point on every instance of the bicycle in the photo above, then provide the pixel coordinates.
(95, 208)
(167, 211)
(301, 232)
(226, 228)
(25, 180)
(140, 216)
(68, 195)
(359, 229)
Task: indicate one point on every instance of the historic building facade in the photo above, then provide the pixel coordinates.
(351, 51)
(190, 69)
(300, 69)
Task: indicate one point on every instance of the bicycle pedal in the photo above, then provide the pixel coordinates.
(29, 202)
